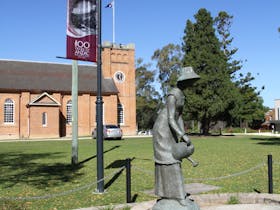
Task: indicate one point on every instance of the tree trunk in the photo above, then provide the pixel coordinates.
(205, 126)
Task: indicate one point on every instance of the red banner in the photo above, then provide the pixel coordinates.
(81, 30)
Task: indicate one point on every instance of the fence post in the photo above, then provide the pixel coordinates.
(128, 180)
(270, 177)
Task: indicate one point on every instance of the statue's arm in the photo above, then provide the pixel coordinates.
(171, 110)
(181, 123)
(182, 126)
(177, 126)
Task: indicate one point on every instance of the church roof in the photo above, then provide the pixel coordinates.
(50, 77)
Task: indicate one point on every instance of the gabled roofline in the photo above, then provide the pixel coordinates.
(33, 102)
(47, 62)
(40, 77)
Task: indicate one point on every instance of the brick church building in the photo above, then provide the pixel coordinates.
(35, 97)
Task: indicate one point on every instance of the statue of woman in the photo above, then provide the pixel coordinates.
(168, 131)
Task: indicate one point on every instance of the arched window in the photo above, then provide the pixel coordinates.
(44, 119)
(120, 114)
(69, 112)
(9, 112)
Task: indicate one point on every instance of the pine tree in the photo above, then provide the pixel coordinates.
(223, 24)
(251, 104)
(247, 105)
(211, 96)
(222, 93)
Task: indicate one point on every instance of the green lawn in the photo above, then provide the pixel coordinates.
(43, 170)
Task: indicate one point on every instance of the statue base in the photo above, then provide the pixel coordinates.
(168, 204)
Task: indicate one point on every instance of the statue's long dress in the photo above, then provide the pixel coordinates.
(169, 181)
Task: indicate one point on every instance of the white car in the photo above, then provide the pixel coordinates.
(109, 132)
(149, 132)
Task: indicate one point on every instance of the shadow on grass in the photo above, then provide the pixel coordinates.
(116, 164)
(210, 134)
(273, 141)
(17, 168)
(94, 156)
(113, 179)
(38, 169)
(119, 164)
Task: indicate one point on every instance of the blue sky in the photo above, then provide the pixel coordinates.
(36, 30)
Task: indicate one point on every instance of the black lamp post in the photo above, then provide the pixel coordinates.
(99, 106)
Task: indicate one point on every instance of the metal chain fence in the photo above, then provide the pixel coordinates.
(229, 176)
(214, 178)
(149, 172)
(63, 193)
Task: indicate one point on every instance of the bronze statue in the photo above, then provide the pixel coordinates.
(171, 144)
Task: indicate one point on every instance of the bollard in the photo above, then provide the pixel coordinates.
(128, 180)
(270, 180)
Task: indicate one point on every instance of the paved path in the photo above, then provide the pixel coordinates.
(149, 204)
(248, 201)
(243, 207)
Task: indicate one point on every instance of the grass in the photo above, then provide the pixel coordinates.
(233, 200)
(43, 169)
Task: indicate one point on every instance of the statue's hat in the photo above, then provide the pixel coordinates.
(187, 73)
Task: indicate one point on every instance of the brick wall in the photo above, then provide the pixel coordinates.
(121, 59)
(37, 129)
(9, 130)
(24, 115)
(28, 120)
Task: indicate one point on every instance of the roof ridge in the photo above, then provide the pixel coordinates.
(45, 62)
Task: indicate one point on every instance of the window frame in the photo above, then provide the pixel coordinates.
(69, 112)
(9, 112)
(44, 119)
(120, 114)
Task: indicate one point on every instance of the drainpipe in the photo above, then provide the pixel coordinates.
(19, 118)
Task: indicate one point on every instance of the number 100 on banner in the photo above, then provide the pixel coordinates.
(81, 30)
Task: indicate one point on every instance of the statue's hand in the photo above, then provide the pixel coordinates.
(186, 139)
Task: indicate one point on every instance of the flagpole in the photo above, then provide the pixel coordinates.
(113, 5)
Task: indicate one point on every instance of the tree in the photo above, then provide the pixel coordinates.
(211, 96)
(147, 98)
(250, 104)
(222, 93)
(168, 62)
(223, 23)
(247, 105)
